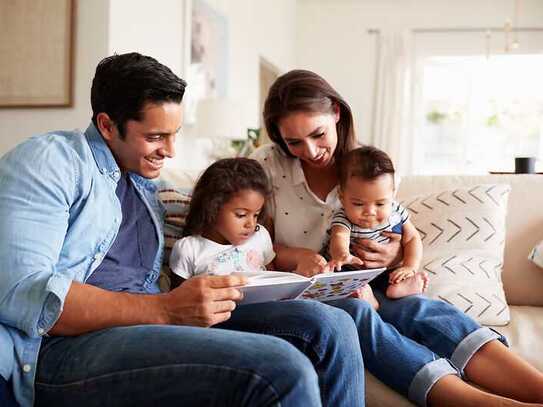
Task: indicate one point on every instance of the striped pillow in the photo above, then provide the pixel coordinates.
(176, 201)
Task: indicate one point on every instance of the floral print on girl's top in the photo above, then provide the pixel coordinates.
(238, 260)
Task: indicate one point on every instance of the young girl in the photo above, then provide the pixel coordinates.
(222, 234)
(366, 192)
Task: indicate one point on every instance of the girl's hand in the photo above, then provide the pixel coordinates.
(311, 263)
(401, 274)
(348, 258)
(375, 254)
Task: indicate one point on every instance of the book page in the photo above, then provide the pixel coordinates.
(339, 284)
(272, 277)
(273, 286)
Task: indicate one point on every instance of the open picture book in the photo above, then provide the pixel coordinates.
(277, 285)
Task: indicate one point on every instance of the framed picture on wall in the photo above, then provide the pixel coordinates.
(36, 39)
(207, 68)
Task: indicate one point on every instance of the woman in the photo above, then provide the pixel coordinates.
(422, 348)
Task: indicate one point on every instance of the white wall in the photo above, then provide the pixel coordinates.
(158, 28)
(154, 28)
(255, 29)
(332, 37)
(92, 20)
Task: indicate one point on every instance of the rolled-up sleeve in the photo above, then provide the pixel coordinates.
(38, 183)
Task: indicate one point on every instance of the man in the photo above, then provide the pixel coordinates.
(82, 321)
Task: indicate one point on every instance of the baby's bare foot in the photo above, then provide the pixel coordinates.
(410, 286)
(366, 293)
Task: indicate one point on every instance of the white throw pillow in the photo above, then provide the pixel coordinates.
(536, 255)
(463, 234)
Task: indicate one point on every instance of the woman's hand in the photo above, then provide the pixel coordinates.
(311, 263)
(375, 254)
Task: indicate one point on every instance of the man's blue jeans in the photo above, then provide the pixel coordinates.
(145, 365)
(413, 342)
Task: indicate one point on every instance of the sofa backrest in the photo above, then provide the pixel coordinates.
(522, 280)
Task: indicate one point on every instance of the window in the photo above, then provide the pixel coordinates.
(475, 114)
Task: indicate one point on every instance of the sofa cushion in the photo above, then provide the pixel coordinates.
(522, 279)
(463, 234)
(176, 201)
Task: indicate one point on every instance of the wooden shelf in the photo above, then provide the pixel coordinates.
(512, 173)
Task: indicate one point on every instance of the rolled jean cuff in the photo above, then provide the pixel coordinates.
(428, 376)
(471, 344)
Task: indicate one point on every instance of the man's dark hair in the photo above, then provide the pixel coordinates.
(217, 185)
(123, 83)
(366, 162)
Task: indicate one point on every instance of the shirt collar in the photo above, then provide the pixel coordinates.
(106, 162)
(102, 154)
(298, 176)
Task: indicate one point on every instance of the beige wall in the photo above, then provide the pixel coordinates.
(158, 28)
(91, 45)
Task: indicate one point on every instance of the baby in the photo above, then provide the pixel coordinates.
(366, 191)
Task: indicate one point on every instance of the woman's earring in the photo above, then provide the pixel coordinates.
(257, 228)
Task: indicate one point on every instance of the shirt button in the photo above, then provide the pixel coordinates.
(41, 331)
(27, 368)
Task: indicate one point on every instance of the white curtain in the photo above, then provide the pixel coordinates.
(392, 113)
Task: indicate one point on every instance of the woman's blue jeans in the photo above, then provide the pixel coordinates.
(412, 342)
(180, 365)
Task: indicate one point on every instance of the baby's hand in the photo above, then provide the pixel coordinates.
(348, 258)
(400, 274)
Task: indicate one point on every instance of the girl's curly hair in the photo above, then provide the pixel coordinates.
(216, 186)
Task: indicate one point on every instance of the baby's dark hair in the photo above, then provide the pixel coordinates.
(366, 162)
(216, 186)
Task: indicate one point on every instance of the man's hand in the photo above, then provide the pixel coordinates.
(311, 263)
(347, 258)
(203, 300)
(375, 254)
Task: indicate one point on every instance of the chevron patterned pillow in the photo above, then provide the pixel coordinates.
(463, 234)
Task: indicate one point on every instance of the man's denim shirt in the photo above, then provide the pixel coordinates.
(58, 217)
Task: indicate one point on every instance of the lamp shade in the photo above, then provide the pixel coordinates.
(220, 118)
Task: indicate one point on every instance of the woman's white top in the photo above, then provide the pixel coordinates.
(300, 217)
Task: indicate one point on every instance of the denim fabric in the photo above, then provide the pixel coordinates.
(324, 334)
(58, 217)
(437, 325)
(412, 342)
(156, 365)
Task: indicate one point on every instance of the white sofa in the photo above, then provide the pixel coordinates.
(522, 280)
